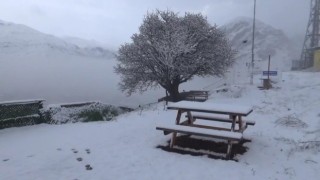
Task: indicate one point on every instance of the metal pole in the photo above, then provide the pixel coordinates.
(269, 67)
(253, 34)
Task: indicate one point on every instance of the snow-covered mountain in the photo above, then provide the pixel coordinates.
(20, 40)
(90, 46)
(82, 42)
(268, 41)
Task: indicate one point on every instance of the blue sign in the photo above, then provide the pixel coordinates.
(270, 73)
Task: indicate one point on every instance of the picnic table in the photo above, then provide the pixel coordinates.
(217, 112)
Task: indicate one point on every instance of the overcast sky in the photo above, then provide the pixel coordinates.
(114, 21)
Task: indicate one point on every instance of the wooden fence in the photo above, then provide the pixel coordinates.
(199, 96)
(20, 113)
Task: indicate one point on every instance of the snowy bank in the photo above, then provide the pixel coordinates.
(127, 147)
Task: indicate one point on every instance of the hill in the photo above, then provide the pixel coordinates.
(16, 39)
(268, 41)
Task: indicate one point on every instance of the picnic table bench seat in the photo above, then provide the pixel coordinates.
(228, 135)
(218, 118)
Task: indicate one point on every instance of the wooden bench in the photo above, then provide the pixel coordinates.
(196, 95)
(219, 119)
(200, 96)
(189, 130)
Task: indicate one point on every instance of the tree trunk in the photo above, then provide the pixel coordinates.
(174, 92)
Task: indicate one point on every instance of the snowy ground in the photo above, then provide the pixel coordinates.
(285, 142)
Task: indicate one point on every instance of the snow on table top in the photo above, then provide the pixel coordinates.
(212, 107)
(211, 132)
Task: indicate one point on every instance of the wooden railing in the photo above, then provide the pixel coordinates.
(20, 113)
(190, 96)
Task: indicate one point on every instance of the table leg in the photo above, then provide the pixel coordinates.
(234, 119)
(190, 117)
(178, 116)
(173, 139)
(240, 122)
(174, 134)
(228, 156)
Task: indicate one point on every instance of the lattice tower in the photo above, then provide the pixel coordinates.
(312, 38)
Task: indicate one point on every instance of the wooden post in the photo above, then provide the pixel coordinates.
(167, 98)
(173, 139)
(190, 117)
(174, 134)
(269, 67)
(228, 156)
(178, 117)
(240, 122)
(234, 119)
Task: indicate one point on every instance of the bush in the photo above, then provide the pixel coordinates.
(91, 115)
(86, 113)
(98, 113)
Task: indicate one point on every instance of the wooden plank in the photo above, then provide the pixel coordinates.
(209, 111)
(219, 119)
(197, 108)
(207, 127)
(173, 139)
(211, 108)
(77, 104)
(233, 124)
(228, 155)
(233, 136)
(213, 118)
(243, 126)
(186, 123)
(6, 103)
(190, 118)
(249, 122)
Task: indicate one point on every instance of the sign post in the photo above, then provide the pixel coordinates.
(269, 73)
(266, 82)
(269, 67)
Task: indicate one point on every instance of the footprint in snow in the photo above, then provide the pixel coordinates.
(88, 167)
(88, 151)
(4, 160)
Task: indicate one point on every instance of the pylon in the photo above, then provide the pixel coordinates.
(311, 40)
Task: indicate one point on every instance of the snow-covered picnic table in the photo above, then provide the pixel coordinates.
(227, 113)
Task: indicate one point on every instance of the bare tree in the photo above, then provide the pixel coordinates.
(170, 50)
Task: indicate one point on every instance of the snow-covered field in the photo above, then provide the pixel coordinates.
(285, 142)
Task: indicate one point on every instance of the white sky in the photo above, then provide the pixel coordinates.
(114, 21)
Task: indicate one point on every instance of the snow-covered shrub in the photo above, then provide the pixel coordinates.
(235, 91)
(291, 121)
(92, 112)
(311, 146)
(98, 113)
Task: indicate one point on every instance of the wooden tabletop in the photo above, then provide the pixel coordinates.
(218, 108)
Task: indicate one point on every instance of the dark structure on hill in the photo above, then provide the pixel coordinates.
(312, 38)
